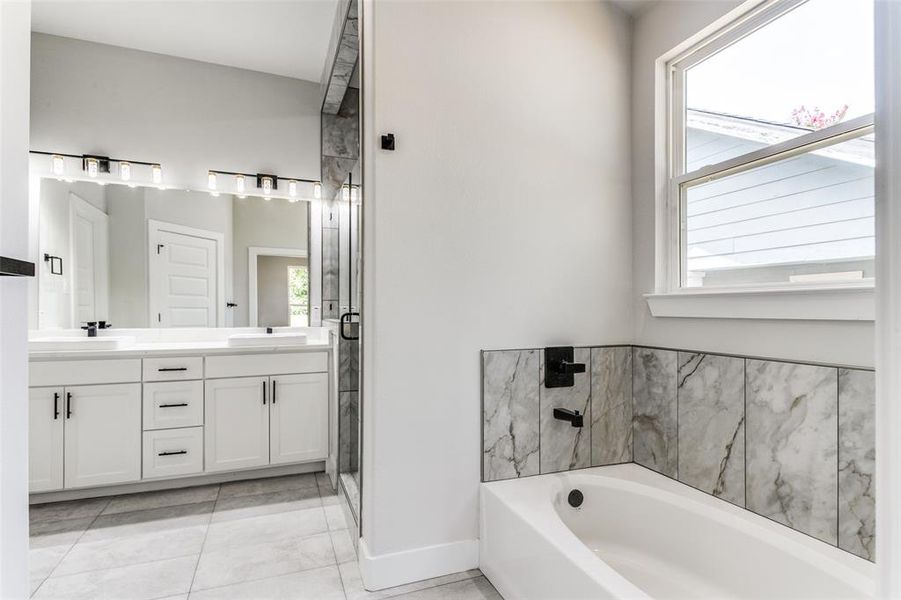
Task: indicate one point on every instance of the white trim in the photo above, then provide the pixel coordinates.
(888, 298)
(816, 303)
(397, 568)
(154, 226)
(253, 253)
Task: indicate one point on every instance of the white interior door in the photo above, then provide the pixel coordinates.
(185, 277)
(89, 234)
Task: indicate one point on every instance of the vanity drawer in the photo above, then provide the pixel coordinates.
(78, 372)
(173, 404)
(173, 452)
(173, 369)
(253, 365)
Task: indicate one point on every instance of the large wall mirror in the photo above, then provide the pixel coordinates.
(140, 257)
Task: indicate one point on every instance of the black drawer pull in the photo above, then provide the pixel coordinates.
(68, 405)
(172, 453)
(55, 406)
(170, 369)
(173, 405)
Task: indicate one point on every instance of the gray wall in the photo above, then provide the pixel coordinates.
(272, 289)
(190, 116)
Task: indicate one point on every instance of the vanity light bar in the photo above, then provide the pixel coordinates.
(95, 165)
(266, 182)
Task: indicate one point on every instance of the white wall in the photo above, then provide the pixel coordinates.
(502, 220)
(656, 32)
(15, 23)
(188, 115)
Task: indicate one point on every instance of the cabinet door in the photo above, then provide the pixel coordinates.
(236, 419)
(103, 434)
(299, 418)
(45, 439)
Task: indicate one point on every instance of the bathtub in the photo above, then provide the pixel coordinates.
(638, 534)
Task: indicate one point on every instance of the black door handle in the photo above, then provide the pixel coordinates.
(168, 369)
(264, 392)
(173, 405)
(172, 453)
(68, 405)
(345, 320)
(273, 391)
(55, 406)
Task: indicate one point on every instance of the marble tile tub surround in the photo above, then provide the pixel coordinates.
(792, 442)
(520, 435)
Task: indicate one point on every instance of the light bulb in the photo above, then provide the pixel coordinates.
(156, 172)
(292, 188)
(93, 167)
(345, 193)
(317, 190)
(211, 180)
(125, 171)
(239, 185)
(58, 163)
(266, 184)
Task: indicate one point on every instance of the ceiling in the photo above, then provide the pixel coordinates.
(282, 37)
(635, 7)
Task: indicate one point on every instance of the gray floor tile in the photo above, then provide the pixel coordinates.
(271, 484)
(72, 509)
(44, 534)
(240, 563)
(163, 498)
(137, 582)
(132, 550)
(267, 528)
(121, 525)
(334, 516)
(42, 561)
(470, 589)
(315, 584)
(241, 507)
(344, 545)
(353, 585)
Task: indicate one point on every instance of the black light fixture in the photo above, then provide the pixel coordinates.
(266, 182)
(96, 164)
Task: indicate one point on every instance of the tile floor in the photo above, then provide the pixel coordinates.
(283, 537)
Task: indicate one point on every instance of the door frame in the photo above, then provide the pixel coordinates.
(253, 253)
(154, 227)
(77, 205)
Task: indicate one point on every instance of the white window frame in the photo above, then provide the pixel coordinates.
(831, 301)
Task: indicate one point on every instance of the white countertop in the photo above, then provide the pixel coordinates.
(178, 342)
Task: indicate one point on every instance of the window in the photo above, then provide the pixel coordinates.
(771, 152)
(298, 296)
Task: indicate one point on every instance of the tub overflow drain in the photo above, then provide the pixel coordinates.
(576, 498)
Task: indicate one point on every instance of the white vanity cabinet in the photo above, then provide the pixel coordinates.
(84, 435)
(265, 418)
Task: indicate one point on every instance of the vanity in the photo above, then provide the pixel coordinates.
(175, 405)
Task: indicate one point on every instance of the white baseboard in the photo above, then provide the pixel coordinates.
(397, 568)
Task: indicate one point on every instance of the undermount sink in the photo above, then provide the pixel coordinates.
(267, 339)
(67, 344)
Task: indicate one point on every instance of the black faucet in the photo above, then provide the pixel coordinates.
(103, 325)
(91, 328)
(573, 416)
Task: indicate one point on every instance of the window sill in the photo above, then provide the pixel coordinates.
(810, 303)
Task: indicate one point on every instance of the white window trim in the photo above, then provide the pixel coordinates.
(841, 302)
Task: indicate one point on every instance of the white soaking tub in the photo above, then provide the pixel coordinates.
(638, 534)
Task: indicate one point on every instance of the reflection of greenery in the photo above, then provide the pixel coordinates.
(298, 286)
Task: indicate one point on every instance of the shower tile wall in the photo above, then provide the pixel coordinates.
(792, 442)
(522, 438)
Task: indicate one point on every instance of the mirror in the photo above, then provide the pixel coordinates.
(146, 257)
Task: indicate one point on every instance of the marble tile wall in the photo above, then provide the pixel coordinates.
(792, 442)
